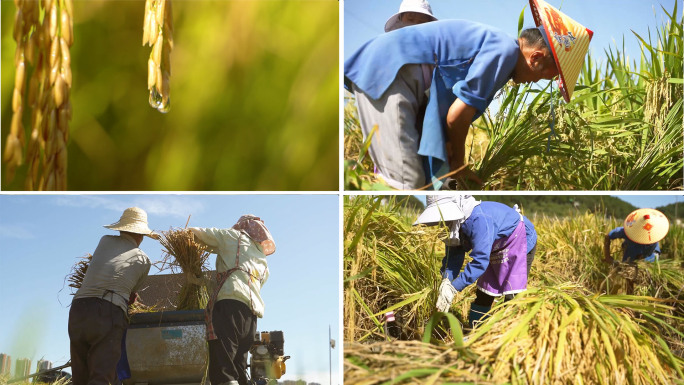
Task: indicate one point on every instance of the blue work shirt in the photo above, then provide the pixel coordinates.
(488, 222)
(632, 250)
(472, 61)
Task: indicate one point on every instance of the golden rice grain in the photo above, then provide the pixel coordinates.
(157, 33)
(43, 31)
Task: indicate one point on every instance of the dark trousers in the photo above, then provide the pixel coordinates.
(235, 327)
(484, 299)
(96, 327)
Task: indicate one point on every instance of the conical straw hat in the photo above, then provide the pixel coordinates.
(646, 226)
(569, 42)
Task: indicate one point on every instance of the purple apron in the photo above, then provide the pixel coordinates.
(507, 270)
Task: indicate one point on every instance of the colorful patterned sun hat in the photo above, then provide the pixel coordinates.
(256, 229)
(569, 43)
(646, 226)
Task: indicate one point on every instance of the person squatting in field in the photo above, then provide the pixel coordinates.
(501, 241)
(98, 317)
(236, 302)
(642, 232)
(423, 117)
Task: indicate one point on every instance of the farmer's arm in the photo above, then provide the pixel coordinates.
(452, 262)
(459, 117)
(606, 249)
(481, 234)
(209, 237)
(613, 234)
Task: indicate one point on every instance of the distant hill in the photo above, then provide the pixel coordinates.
(563, 205)
(673, 210)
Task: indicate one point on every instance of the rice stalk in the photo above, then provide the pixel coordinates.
(43, 47)
(182, 253)
(563, 334)
(78, 272)
(158, 34)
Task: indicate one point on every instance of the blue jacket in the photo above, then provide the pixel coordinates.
(488, 222)
(633, 250)
(472, 61)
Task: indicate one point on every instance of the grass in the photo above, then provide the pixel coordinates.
(566, 328)
(621, 131)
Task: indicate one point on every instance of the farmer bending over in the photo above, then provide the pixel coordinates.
(236, 302)
(501, 241)
(642, 231)
(423, 117)
(98, 317)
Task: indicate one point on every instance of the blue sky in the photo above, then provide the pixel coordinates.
(43, 235)
(610, 20)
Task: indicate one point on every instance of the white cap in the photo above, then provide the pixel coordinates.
(418, 6)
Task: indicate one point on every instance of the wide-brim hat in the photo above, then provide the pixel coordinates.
(439, 209)
(646, 226)
(418, 6)
(133, 220)
(568, 41)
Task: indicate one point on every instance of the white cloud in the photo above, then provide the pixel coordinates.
(15, 232)
(171, 205)
(176, 206)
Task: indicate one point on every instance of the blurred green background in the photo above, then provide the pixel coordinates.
(254, 97)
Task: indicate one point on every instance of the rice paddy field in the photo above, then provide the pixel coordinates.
(622, 130)
(574, 325)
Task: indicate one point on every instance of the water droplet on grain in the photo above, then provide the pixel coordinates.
(164, 107)
(155, 98)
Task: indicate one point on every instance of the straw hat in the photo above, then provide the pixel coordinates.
(133, 220)
(440, 209)
(646, 226)
(418, 6)
(569, 43)
(256, 229)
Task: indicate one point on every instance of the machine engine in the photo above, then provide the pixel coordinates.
(267, 362)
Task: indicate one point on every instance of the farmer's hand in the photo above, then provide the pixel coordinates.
(191, 278)
(132, 298)
(446, 295)
(465, 177)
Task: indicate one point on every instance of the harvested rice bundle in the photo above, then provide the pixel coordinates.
(181, 251)
(78, 272)
(562, 335)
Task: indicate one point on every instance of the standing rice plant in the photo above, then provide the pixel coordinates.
(158, 34)
(182, 252)
(388, 266)
(43, 31)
